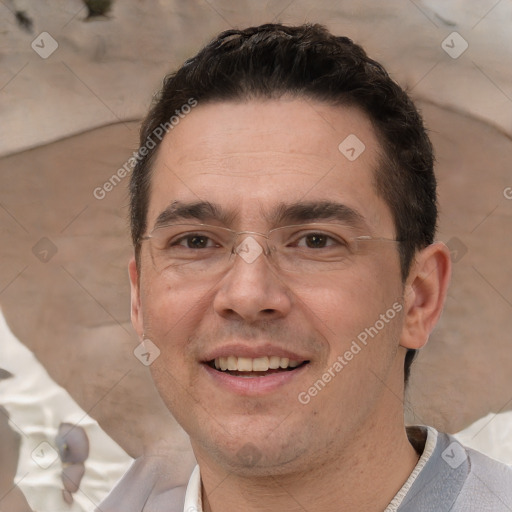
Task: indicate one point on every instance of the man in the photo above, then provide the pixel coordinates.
(283, 214)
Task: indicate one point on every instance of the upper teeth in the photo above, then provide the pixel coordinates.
(258, 364)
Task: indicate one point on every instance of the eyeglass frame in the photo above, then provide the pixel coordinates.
(235, 234)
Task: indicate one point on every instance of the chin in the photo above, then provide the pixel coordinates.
(255, 458)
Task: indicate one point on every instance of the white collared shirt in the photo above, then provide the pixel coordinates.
(193, 499)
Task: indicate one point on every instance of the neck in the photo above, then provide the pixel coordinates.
(365, 475)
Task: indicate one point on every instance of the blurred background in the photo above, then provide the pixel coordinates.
(76, 77)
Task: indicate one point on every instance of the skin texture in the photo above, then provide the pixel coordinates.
(253, 157)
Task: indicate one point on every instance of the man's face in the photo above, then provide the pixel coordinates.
(253, 161)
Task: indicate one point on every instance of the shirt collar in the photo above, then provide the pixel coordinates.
(193, 501)
(427, 452)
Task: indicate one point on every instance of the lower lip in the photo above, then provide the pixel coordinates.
(254, 385)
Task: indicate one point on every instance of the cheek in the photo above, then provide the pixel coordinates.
(342, 307)
(172, 314)
(344, 298)
(171, 311)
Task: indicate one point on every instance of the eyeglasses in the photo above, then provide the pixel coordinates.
(201, 249)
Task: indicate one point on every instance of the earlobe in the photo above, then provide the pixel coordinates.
(136, 310)
(425, 293)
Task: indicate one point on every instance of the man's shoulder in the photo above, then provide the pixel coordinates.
(488, 485)
(481, 462)
(458, 479)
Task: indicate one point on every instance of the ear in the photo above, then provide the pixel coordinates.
(424, 294)
(136, 309)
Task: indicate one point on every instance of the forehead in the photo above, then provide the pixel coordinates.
(249, 157)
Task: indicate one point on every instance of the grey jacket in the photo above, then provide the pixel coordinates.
(459, 479)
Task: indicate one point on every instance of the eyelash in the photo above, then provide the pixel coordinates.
(296, 239)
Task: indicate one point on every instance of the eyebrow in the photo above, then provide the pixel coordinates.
(200, 210)
(297, 212)
(301, 212)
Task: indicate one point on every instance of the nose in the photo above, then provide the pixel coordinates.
(252, 289)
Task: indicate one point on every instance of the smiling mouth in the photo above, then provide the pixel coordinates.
(254, 367)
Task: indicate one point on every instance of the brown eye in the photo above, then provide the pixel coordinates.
(197, 242)
(194, 241)
(316, 240)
